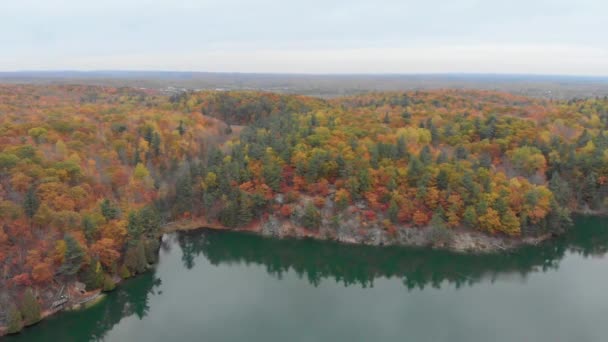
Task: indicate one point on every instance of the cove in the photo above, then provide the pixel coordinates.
(229, 286)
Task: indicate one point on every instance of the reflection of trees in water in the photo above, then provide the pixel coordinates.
(118, 305)
(317, 260)
(354, 264)
(94, 323)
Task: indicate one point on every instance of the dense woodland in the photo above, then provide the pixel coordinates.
(88, 175)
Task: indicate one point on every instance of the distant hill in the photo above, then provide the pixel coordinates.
(543, 86)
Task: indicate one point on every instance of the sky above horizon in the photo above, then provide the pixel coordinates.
(331, 36)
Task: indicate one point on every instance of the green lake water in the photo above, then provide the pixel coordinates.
(226, 286)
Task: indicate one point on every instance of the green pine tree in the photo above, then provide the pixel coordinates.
(30, 308)
(108, 210)
(311, 218)
(30, 203)
(74, 257)
(14, 320)
(135, 258)
(393, 211)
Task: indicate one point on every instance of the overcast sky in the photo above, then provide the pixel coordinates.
(313, 36)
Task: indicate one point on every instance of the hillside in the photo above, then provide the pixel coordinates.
(89, 175)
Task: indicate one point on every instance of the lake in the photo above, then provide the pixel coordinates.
(229, 286)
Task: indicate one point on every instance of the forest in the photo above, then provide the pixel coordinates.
(89, 175)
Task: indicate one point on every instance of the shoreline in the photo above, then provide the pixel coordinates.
(463, 240)
(95, 297)
(467, 242)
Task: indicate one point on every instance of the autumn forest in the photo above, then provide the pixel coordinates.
(91, 176)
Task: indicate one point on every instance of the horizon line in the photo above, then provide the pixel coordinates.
(455, 73)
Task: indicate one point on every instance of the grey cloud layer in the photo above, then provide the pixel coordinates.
(51, 33)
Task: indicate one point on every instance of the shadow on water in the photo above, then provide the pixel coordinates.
(317, 261)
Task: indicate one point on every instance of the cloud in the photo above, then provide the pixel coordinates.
(535, 59)
(536, 36)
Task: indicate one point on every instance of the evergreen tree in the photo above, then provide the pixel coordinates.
(407, 117)
(14, 320)
(30, 202)
(155, 143)
(434, 132)
(229, 214)
(150, 220)
(89, 228)
(272, 173)
(93, 276)
(311, 218)
(151, 247)
(108, 283)
(589, 190)
(342, 167)
(401, 147)
(364, 181)
(134, 227)
(181, 129)
(558, 219)
(374, 156)
(415, 170)
(426, 157)
(442, 180)
(510, 223)
(482, 206)
(485, 161)
(135, 258)
(584, 138)
(501, 204)
(30, 308)
(461, 152)
(438, 232)
(442, 158)
(393, 211)
(108, 210)
(314, 122)
(228, 129)
(471, 187)
(73, 258)
(392, 184)
(245, 214)
(184, 194)
(314, 167)
(470, 217)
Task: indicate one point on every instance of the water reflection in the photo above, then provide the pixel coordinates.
(418, 268)
(314, 261)
(92, 324)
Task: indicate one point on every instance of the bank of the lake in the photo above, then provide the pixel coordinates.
(226, 286)
(460, 240)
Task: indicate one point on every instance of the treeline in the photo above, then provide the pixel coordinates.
(85, 173)
(482, 160)
(244, 107)
(355, 265)
(88, 175)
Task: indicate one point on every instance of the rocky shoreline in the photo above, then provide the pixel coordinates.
(352, 231)
(460, 240)
(84, 302)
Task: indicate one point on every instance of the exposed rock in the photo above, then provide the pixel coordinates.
(348, 226)
(376, 236)
(271, 227)
(80, 287)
